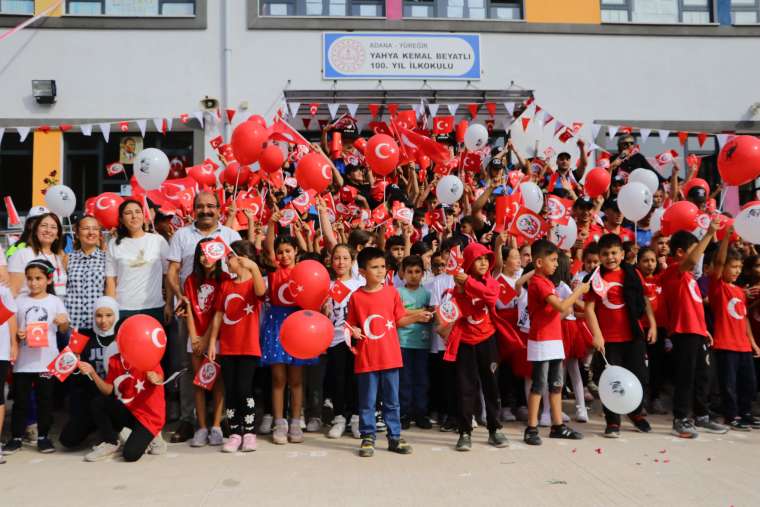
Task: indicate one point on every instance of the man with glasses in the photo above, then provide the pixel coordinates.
(628, 158)
(206, 208)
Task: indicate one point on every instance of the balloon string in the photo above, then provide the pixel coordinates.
(173, 376)
(605, 359)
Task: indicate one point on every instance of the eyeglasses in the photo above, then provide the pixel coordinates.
(626, 144)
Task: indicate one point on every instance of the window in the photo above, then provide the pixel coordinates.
(132, 8)
(358, 8)
(657, 11)
(744, 12)
(468, 9)
(16, 6)
(16, 171)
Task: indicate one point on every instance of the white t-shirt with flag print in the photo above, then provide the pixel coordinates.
(37, 359)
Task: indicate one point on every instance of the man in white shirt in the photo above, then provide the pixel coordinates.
(206, 207)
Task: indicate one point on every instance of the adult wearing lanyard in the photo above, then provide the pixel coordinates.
(45, 242)
(135, 265)
(86, 273)
(181, 254)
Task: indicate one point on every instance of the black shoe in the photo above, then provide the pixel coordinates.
(449, 426)
(612, 431)
(406, 423)
(12, 446)
(423, 423)
(183, 433)
(367, 448)
(739, 424)
(642, 425)
(399, 446)
(44, 445)
(531, 436)
(380, 425)
(497, 439)
(464, 443)
(751, 421)
(562, 431)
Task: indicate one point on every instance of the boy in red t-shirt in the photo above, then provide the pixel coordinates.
(614, 323)
(374, 312)
(545, 348)
(733, 343)
(688, 332)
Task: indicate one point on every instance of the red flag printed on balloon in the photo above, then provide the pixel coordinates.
(215, 249)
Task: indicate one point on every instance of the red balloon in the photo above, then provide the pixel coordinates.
(696, 182)
(107, 209)
(230, 174)
(313, 172)
(739, 160)
(461, 129)
(423, 161)
(597, 182)
(309, 284)
(89, 206)
(271, 158)
(680, 216)
(382, 154)
(142, 341)
(203, 174)
(360, 144)
(257, 118)
(248, 140)
(306, 334)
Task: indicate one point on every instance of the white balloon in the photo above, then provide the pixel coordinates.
(449, 189)
(620, 390)
(564, 236)
(532, 196)
(645, 176)
(475, 137)
(747, 223)
(634, 201)
(655, 223)
(151, 168)
(61, 200)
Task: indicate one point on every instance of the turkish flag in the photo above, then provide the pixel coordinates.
(380, 214)
(455, 261)
(304, 201)
(78, 341)
(407, 119)
(216, 142)
(215, 249)
(506, 207)
(403, 214)
(374, 109)
(443, 125)
(436, 151)
(13, 218)
(506, 292)
(666, 157)
(207, 374)
(283, 131)
(448, 311)
(114, 169)
(37, 334)
(436, 219)
(527, 225)
(559, 209)
(471, 161)
(379, 127)
(338, 292)
(5, 312)
(64, 364)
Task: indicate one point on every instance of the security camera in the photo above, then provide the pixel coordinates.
(209, 103)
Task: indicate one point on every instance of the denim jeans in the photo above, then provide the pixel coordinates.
(368, 385)
(413, 390)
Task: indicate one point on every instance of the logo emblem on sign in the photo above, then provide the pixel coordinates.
(347, 55)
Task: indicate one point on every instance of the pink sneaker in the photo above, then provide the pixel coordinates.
(249, 442)
(232, 444)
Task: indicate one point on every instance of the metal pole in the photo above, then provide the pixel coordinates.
(225, 77)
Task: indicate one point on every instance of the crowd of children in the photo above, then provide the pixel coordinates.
(443, 319)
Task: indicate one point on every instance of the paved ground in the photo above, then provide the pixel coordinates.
(647, 470)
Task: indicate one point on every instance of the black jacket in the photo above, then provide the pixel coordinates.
(633, 297)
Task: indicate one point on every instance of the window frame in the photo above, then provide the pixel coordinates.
(299, 9)
(15, 13)
(439, 6)
(746, 8)
(627, 6)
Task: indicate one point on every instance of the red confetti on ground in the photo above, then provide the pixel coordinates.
(666, 461)
(656, 460)
(574, 451)
(598, 450)
(663, 451)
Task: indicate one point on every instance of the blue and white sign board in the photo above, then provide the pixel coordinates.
(351, 55)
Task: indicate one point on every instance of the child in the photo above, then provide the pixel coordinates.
(415, 347)
(100, 347)
(137, 404)
(202, 289)
(650, 270)
(286, 370)
(8, 349)
(613, 317)
(236, 328)
(374, 313)
(341, 383)
(40, 314)
(396, 248)
(473, 344)
(545, 348)
(688, 330)
(734, 343)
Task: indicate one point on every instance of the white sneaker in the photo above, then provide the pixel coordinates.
(102, 451)
(302, 423)
(2, 458)
(124, 435)
(581, 414)
(354, 423)
(474, 422)
(265, 428)
(157, 446)
(507, 415)
(338, 427)
(314, 425)
(545, 420)
(200, 439)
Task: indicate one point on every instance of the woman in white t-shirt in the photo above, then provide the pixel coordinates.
(46, 243)
(136, 262)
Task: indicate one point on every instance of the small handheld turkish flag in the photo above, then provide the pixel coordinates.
(216, 142)
(527, 224)
(64, 364)
(443, 125)
(114, 169)
(448, 311)
(559, 209)
(207, 374)
(339, 291)
(666, 157)
(454, 262)
(77, 342)
(403, 214)
(506, 292)
(37, 334)
(215, 249)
